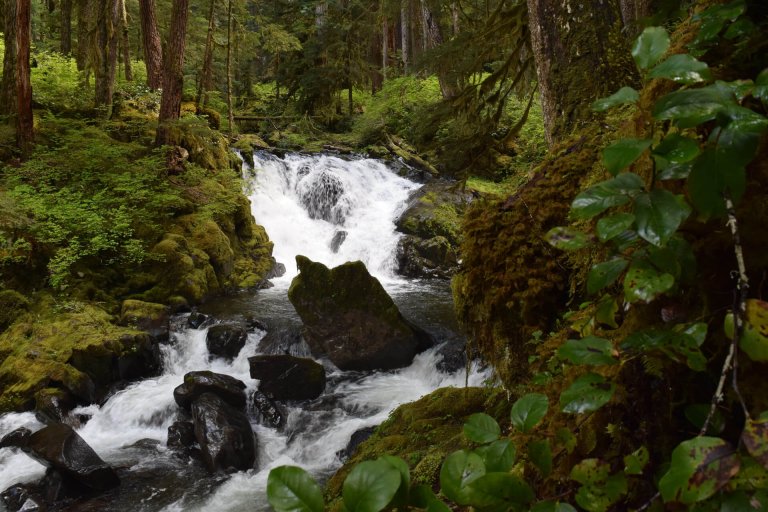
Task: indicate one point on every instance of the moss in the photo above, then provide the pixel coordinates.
(12, 305)
(436, 210)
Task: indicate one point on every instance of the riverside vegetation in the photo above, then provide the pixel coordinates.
(623, 316)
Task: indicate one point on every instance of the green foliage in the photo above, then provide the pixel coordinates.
(591, 351)
(587, 393)
(528, 411)
(290, 488)
(57, 84)
(481, 428)
(699, 468)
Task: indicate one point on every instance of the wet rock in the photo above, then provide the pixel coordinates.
(254, 323)
(18, 438)
(267, 411)
(435, 210)
(59, 447)
(52, 405)
(195, 384)
(356, 440)
(337, 240)
(286, 340)
(320, 193)
(224, 435)
(181, 435)
(196, 320)
(15, 496)
(419, 258)
(285, 377)
(32, 504)
(226, 340)
(146, 316)
(453, 357)
(349, 317)
(278, 270)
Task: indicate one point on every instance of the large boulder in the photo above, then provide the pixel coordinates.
(195, 384)
(349, 317)
(59, 447)
(434, 257)
(148, 317)
(224, 434)
(226, 340)
(285, 377)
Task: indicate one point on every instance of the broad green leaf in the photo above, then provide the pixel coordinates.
(650, 46)
(604, 274)
(481, 428)
(636, 461)
(552, 506)
(566, 239)
(698, 332)
(658, 215)
(711, 178)
(671, 171)
(590, 350)
(370, 486)
(678, 346)
(624, 95)
(739, 28)
(612, 226)
(291, 489)
(421, 496)
(567, 439)
(494, 489)
(677, 149)
(754, 339)
(699, 468)
(613, 192)
(755, 439)
(588, 393)
(528, 410)
(663, 259)
(599, 488)
(401, 496)
(738, 141)
(606, 312)
(590, 471)
(460, 469)
(692, 107)
(438, 506)
(540, 455)
(498, 456)
(683, 69)
(644, 283)
(623, 153)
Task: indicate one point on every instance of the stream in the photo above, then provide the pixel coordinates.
(304, 202)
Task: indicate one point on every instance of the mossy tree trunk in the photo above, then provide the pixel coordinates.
(206, 73)
(124, 41)
(65, 33)
(581, 55)
(16, 88)
(150, 38)
(173, 77)
(104, 24)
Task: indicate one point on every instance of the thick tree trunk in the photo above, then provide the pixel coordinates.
(581, 55)
(404, 30)
(65, 33)
(633, 11)
(125, 42)
(205, 74)
(104, 27)
(384, 47)
(173, 77)
(153, 53)
(230, 114)
(16, 93)
(434, 39)
(83, 7)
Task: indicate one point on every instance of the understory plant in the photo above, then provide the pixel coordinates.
(690, 161)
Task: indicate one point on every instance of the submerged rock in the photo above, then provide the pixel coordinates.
(195, 384)
(268, 411)
(226, 340)
(181, 435)
(285, 377)
(196, 320)
(224, 434)
(18, 438)
(349, 317)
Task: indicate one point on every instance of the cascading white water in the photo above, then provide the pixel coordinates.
(361, 197)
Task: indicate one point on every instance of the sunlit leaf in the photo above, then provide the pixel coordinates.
(683, 69)
(644, 283)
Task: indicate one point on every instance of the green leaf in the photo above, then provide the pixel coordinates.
(677, 149)
(552, 506)
(421, 496)
(599, 488)
(540, 455)
(683, 69)
(460, 469)
(528, 410)
(604, 274)
(754, 339)
(650, 46)
(692, 107)
(590, 350)
(481, 428)
(612, 226)
(624, 95)
(588, 393)
(494, 489)
(623, 153)
(636, 461)
(697, 415)
(566, 239)
(761, 87)
(401, 496)
(606, 312)
(498, 456)
(644, 283)
(699, 468)
(291, 489)
(738, 141)
(658, 215)
(755, 439)
(678, 346)
(613, 192)
(567, 439)
(711, 178)
(370, 486)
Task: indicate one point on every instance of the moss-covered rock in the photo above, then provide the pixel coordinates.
(436, 209)
(149, 317)
(12, 305)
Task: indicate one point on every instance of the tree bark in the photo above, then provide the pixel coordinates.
(16, 93)
(433, 39)
(104, 39)
(207, 71)
(82, 59)
(230, 114)
(631, 12)
(65, 33)
(173, 77)
(124, 41)
(404, 30)
(153, 53)
(384, 47)
(581, 55)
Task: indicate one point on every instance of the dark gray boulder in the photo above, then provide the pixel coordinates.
(181, 435)
(419, 258)
(267, 411)
(357, 438)
(15, 496)
(18, 438)
(229, 389)
(226, 340)
(284, 340)
(52, 405)
(224, 434)
(349, 317)
(285, 377)
(196, 320)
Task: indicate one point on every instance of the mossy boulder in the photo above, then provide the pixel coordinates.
(433, 257)
(12, 305)
(436, 209)
(149, 317)
(349, 317)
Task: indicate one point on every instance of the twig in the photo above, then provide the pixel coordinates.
(649, 502)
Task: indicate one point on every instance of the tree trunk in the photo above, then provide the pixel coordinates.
(104, 27)
(205, 74)
(65, 33)
(434, 39)
(631, 12)
(125, 42)
(153, 53)
(82, 59)
(404, 28)
(580, 55)
(230, 114)
(173, 76)
(384, 47)
(16, 93)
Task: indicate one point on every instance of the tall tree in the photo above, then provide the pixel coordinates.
(104, 22)
(153, 53)
(404, 32)
(433, 38)
(65, 32)
(124, 40)
(230, 116)
(16, 89)
(574, 44)
(173, 75)
(206, 74)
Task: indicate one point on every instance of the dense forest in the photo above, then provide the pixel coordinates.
(592, 182)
